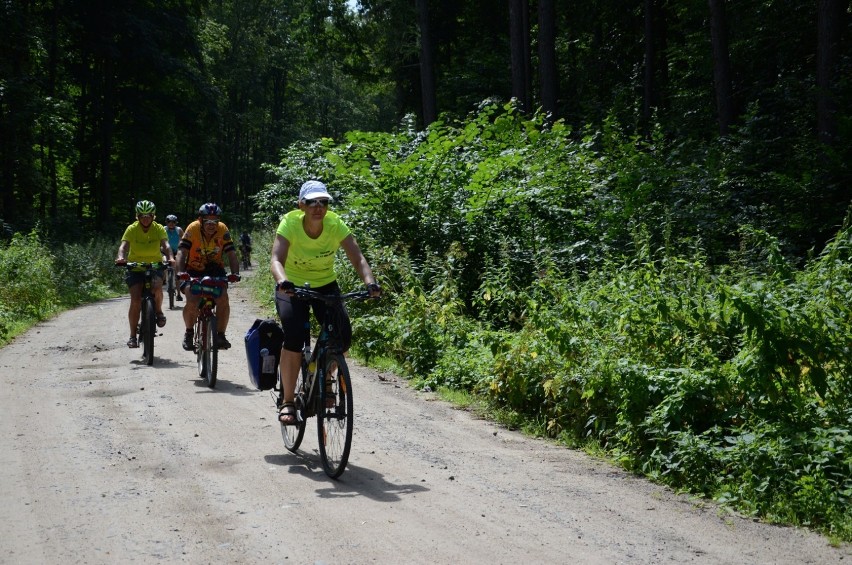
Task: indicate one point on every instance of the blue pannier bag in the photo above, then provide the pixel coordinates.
(263, 349)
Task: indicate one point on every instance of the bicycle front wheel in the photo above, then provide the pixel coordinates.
(148, 326)
(335, 416)
(293, 434)
(208, 352)
(171, 287)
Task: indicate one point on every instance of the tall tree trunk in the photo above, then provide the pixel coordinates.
(427, 65)
(649, 97)
(107, 120)
(52, 64)
(830, 21)
(721, 65)
(519, 45)
(547, 57)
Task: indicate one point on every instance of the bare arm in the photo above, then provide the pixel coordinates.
(122, 251)
(280, 248)
(353, 251)
(166, 250)
(233, 261)
(181, 260)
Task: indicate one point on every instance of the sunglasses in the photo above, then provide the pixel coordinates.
(147, 216)
(317, 202)
(211, 222)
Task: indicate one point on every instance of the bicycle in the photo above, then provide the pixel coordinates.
(147, 327)
(208, 289)
(323, 389)
(245, 253)
(171, 287)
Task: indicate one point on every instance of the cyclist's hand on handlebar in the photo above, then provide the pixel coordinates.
(183, 276)
(121, 262)
(374, 289)
(233, 277)
(286, 287)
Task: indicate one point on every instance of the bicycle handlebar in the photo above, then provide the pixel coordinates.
(232, 278)
(135, 264)
(308, 294)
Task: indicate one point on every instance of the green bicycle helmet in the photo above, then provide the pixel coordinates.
(145, 207)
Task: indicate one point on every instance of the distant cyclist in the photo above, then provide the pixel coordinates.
(175, 233)
(245, 248)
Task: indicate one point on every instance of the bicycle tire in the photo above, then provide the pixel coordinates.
(335, 424)
(149, 328)
(293, 434)
(171, 287)
(210, 352)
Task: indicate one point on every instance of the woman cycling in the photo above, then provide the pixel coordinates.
(303, 252)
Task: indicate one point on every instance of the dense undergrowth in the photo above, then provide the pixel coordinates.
(39, 278)
(609, 292)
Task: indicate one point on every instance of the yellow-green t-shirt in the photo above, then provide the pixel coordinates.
(311, 260)
(144, 245)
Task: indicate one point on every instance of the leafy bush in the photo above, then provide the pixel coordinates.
(610, 290)
(26, 280)
(38, 279)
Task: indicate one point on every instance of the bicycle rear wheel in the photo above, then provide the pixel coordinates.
(335, 416)
(171, 289)
(148, 328)
(293, 434)
(208, 352)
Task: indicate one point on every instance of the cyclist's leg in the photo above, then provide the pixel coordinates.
(342, 324)
(223, 311)
(294, 320)
(134, 286)
(190, 313)
(157, 291)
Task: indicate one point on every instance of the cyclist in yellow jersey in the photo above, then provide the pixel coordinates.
(144, 241)
(303, 252)
(201, 252)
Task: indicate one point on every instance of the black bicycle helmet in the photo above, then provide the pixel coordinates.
(171, 218)
(210, 209)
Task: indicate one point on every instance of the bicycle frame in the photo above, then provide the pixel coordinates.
(329, 397)
(146, 329)
(208, 290)
(171, 285)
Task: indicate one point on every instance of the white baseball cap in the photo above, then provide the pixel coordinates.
(313, 189)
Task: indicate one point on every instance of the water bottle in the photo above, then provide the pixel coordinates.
(268, 361)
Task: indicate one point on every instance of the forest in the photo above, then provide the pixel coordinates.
(624, 226)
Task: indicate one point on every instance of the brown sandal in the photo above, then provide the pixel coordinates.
(288, 411)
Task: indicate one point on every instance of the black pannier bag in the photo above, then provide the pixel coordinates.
(263, 349)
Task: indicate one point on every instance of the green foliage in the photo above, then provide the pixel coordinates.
(38, 278)
(26, 281)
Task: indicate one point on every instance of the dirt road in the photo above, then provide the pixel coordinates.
(105, 459)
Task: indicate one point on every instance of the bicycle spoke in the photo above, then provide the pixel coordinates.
(335, 417)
